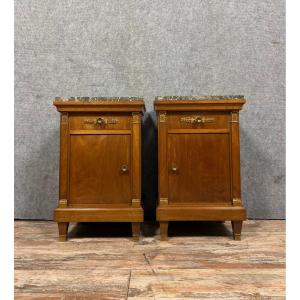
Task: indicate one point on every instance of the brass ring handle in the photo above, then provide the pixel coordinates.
(198, 120)
(124, 168)
(99, 121)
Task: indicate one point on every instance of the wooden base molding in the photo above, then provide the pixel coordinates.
(98, 214)
(198, 213)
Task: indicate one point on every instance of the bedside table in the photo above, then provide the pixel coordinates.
(100, 162)
(199, 160)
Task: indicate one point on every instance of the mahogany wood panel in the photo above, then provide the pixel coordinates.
(162, 158)
(100, 163)
(64, 154)
(199, 168)
(96, 174)
(199, 160)
(136, 161)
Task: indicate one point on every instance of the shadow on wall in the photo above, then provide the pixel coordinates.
(149, 165)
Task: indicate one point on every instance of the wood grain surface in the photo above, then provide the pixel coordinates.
(198, 261)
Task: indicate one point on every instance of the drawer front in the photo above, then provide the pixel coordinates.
(100, 121)
(198, 120)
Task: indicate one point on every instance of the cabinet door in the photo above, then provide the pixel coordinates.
(199, 168)
(100, 169)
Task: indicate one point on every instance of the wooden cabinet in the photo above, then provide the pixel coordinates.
(199, 160)
(100, 162)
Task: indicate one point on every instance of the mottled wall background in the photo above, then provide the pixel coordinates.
(149, 48)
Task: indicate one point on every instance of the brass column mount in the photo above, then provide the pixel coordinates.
(234, 117)
(64, 118)
(136, 118)
(237, 202)
(162, 117)
(135, 202)
(163, 201)
(62, 203)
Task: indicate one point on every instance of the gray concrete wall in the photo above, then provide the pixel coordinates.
(149, 48)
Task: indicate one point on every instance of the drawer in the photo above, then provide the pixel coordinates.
(198, 120)
(99, 121)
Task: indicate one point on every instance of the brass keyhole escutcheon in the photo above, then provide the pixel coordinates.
(124, 168)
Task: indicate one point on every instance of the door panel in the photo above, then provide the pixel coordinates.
(199, 168)
(96, 175)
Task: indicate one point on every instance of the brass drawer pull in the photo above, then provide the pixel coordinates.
(197, 120)
(101, 121)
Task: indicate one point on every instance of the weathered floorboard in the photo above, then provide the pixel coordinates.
(199, 261)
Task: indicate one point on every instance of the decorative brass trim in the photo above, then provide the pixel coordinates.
(101, 121)
(234, 117)
(237, 236)
(64, 118)
(197, 120)
(163, 201)
(136, 118)
(62, 203)
(136, 202)
(237, 202)
(162, 117)
(62, 237)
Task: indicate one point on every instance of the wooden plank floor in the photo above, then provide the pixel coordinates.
(199, 261)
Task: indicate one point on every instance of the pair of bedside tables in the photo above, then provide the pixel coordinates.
(198, 160)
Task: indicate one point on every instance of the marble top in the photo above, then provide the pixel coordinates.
(92, 99)
(213, 97)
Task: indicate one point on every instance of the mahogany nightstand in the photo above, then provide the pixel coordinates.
(100, 162)
(199, 160)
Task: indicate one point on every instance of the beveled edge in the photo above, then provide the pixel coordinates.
(100, 105)
(199, 97)
(193, 103)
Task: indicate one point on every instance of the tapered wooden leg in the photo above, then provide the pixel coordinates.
(136, 229)
(163, 230)
(63, 231)
(237, 229)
